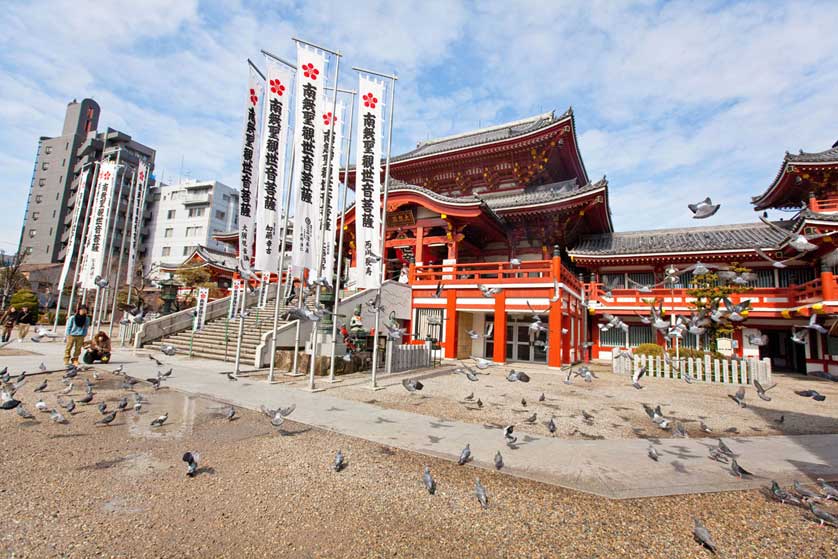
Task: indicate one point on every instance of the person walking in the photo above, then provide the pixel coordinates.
(23, 322)
(76, 331)
(9, 320)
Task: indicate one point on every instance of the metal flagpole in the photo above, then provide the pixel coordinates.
(374, 384)
(122, 251)
(324, 218)
(340, 240)
(283, 233)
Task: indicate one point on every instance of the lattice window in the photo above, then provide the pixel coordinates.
(615, 337)
(640, 335)
(428, 323)
(795, 276)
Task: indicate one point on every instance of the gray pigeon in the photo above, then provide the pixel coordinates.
(703, 426)
(23, 412)
(412, 385)
(340, 463)
(679, 431)
(724, 449)
(739, 397)
(702, 536)
(102, 407)
(465, 455)
(160, 420)
(231, 413)
(56, 416)
(122, 404)
(428, 480)
(653, 454)
(761, 392)
(738, 471)
(107, 419)
(41, 387)
(531, 419)
(168, 349)
(480, 491)
(803, 492)
(551, 425)
(541, 398)
(823, 516)
(498, 461)
(704, 209)
(86, 399)
(829, 490)
(783, 496)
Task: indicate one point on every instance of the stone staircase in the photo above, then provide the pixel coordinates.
(212, 343)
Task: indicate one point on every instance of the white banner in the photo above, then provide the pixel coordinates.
(368, 182)
(236, 296)
(249, 165)
(308, 155)
(100, 218)
(74, 228)
(201, 308)
(327, 244)
(272, 165)
(137, 218)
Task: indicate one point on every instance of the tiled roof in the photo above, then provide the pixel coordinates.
(817, 216)
(688, 239)
(763, 200)
(826, 156)
(483, 135)
(543, 194)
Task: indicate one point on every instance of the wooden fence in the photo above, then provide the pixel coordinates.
(724, 371)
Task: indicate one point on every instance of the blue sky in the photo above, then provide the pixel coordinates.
(674, 101)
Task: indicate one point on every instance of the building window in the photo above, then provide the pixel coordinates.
(196, 212)
(795, 276)
(225, 197)
(39, 198)
(48, 150)
(220, 215)
(187, 250)
(170, 214)
(32, 233)
(615, 337)
(643, 278)
(45, 165)
(42, 182)
(168, 232)
(167, 251)
(639, 335)
(194, 231)
(63, 162)
(35, 216)
(765, 278)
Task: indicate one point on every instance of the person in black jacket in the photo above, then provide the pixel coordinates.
(23, 322)
(8, 321)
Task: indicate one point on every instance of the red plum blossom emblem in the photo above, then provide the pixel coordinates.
(310, 71)
(370, 100)
(253, 98)
(327, 119)
(277, 88)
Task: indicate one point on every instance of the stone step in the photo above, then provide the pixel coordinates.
(213, 352)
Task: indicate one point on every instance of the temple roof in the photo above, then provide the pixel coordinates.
(826, 156)
(793, 193)
(542, 194)
(490, 134)
(744, 236)
(216, 258)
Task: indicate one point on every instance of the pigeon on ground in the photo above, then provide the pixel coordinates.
(168, 349)
(67, 390)
(551, 426)
(656, 416)
(9, 403)
(480, 492)
(87, 398)
(738, 471)
(231, 413)
(498, 461)
(829, 490)
(703, 426)
(41, 406)
(739, 397)
(465, 455)
(191, 459)
(780, 420)
(479, 403)
(339, 461)
(412, 385)
(702, 536)
(523, 402)
(803, 492)
(107, 419)
(784, 496)
(122, 404)
(679, 431)
(23, 412)
(519, 376)
(724, 449)
(41, 387)
(69, 406)
(531, 419)
(230, 376)
(823, 516)
(541, 398)
(469, 398)
(428, 480)
(587, 417)
(653, 454)
(160, 420)
(507, 434)
(56, 416)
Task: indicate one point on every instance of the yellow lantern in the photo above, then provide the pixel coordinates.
(785, 314)
(818, 307)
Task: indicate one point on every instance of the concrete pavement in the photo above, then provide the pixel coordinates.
(616, 469)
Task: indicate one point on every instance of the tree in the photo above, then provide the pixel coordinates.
(710, 290)
(194, 276)
(11, 278)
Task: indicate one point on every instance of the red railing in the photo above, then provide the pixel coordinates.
(483, 272)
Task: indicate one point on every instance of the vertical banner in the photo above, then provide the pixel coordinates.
(327, 244)
(250, 161)
(308, 154)
(137, 218)
(264, 290)
(74, 228)
(201, 309)
(236, 295)
(368, 182)
(272, 165)
(100, 218)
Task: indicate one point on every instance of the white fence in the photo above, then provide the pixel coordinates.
(724, 371)
(404, 357)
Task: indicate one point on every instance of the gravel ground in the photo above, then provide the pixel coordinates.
(79, 490)
(614, 403)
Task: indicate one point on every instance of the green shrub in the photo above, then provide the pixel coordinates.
(648, 349)
(26, 298)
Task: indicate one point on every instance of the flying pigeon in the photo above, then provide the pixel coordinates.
(153, 358)
(739, 397)
(465, 455)
(160, 420)
(776, 263)
(487, 291)
(724, 449)
(656, 416)
(801, 243)
(703, 209)
(412, 385)
(191, 459)
(428, 480)
(473, 335)
(812, 325)
(339, 461)
(638, 374)
(507, 434)
(498, 461)
(702, 535)
(814, 394)
(761, 391)
(480, 492)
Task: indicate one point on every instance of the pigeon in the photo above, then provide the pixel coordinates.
(823, 516)
(278, 415)
(56, 416)
(480, 492)
(160, 420)
(168, 350)
(551, 426)
(541, 398)
(103, 407)
(153, 358)
(524, 402)
(653, 454)
(761, 391)
(165, 374)
(519, 376)
(43, 367)
(801, 243)
(87, 398)
(507, 434)
(656, 416)
(487, 291)
(737, 470)
(588, 417)
(191, 459)
(230, 376)
(803, 492)
(702, 536)
(799, 336)
(531, 419)
(482, 363)
(41, 406)
(814, 394)
(465, 455)
(739, 397)
(231, 413)
(428, 480)
(69, 406)
(23, 412)
(569, 376)
(339, 461)
(107, 419)
(71, 371)
(638, 374)
(703, 426)
(829, 490)
(758, 340)
(122, 404)
(498, 461)
(41, 387)
(67, 390)
(812, 325)
(782, 495)
(678, 431)
(479, 403)
(470, 397)
(412, 385)
(724, 449)
(781, 419)
(473, 335)
(9, 403)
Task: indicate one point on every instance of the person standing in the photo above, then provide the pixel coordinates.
(76, 331)
(9, 320)
(23, 322)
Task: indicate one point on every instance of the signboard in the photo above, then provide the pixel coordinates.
(236, 298)
(201, 309)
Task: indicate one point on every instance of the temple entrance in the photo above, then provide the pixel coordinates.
(786, 355)
(523, 345)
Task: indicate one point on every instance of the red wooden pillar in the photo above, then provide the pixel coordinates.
(737, 336)
(499, 353)
(451, 324)
(565, 325)
(419, 255)
(828, 285)
(554, 346)
(594, 337)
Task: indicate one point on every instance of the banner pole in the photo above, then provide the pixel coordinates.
(98, 165)
(324, 218)
(340, 242)
(374, 383)
(135, 246)
(283, 233)
(106, 270)
(122, 251)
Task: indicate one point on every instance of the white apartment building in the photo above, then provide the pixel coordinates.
(184, 216)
